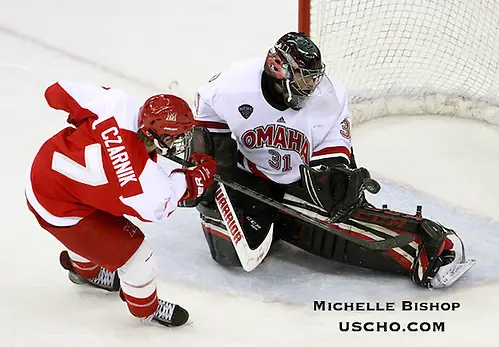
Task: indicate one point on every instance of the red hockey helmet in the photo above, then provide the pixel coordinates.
(168, 120)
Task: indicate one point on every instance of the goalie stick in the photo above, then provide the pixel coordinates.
(392, 242)
(249, 258)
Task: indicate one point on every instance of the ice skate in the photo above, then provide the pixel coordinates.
(444, 266)
(451, 264)
(169, 314)
(106, 280)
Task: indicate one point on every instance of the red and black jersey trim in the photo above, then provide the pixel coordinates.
(332, 151)
(211, 125)
(248, 165)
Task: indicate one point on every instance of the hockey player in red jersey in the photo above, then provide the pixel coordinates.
(281, 126)
(87, 178)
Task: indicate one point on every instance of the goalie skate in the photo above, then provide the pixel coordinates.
(455, 264)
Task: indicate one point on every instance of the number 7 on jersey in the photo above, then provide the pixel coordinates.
(92, 173)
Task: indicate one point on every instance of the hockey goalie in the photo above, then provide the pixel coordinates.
(281, 127)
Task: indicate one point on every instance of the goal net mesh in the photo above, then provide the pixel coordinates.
(412, 56)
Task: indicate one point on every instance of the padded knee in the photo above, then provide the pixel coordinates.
(219, 243)
(255, 228)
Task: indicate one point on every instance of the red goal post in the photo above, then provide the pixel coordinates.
(410, 56)
(304, 16)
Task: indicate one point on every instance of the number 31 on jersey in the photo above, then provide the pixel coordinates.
(278, 161)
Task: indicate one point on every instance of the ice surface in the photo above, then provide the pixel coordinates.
(134, 45)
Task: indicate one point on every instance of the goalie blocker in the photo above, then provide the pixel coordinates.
(435, 258)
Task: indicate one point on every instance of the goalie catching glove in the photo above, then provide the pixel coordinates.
(198, 177)
(338, 189)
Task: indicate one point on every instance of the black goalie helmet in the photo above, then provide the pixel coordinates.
(295, 62)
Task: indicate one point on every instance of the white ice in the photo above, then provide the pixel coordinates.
(448, 165)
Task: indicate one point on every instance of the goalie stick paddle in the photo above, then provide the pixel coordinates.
(249, 258)
(393, 242)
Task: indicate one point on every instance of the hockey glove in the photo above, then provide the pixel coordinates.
(198, 178)
(337, 189)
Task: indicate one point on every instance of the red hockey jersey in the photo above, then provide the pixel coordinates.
(99, 162)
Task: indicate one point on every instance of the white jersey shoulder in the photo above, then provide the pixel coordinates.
(104, 103)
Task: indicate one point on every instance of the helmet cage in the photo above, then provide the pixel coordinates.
(298, 80)
(170, 145)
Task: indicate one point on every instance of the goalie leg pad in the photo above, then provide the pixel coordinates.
(435, 258)
(365, 223)
(217, 237)
(329, 246)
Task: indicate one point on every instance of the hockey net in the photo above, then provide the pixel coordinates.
(410, 56)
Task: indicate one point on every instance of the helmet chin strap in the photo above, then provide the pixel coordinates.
(164, 150)
(289, 98)
(288, 89)
(160, 144)
(178, 145)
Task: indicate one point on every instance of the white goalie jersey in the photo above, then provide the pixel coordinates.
(275, 143)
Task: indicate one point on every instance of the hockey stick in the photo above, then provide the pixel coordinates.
(393, 242)
(249, 258)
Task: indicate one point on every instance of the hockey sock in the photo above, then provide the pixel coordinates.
(138, 282)
(83, 267)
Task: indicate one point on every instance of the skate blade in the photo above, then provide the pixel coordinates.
(77, 279)
(457, 273)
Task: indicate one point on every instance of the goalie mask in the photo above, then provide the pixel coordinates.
(295, 62)
(168, 121)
